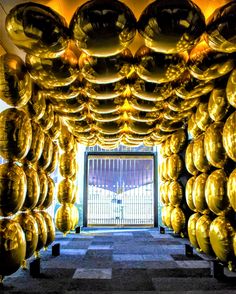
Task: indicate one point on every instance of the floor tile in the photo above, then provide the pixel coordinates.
(95, 273)
(73, 251)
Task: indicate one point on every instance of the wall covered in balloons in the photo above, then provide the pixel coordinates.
(80, 83)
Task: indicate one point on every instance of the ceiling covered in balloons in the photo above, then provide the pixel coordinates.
(119, 72)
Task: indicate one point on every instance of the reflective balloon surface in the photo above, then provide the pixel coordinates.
(191, 168)
(43, 180)
(42, 230)
(192, 229)
(50, 194)
(64, 221)
(229, 136)
(198, 194)
(178, 220)
(66, 191)
(193, 129)
(218, 105)
(189, 193)
(37, 143)
(175, 166)
(199, 156)
(46, 156)
(175, 193)
(202, 116)
(231, 89)
(202, 234)
(50, 228)
(67, 164)
(231, 192)
(178, 141)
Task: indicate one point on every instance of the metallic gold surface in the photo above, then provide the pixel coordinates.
(213, 145)
(231, 192)
(168, 213)
(167, 125)
(50, 194)
(189, 193)
(222, 233)
(65, 107)
(178, 141)
(216, 192)
(74, 215)
(43, 180)
(104, 91)
(175, 193)
(37, 29)
(144, 105)
(55, 130)
(105, 106)
(163, 215)
(191, 168)
(202, 116)
(13, 187)
(162, 193)
(166, 192)
(15, 81)
(36, 106)
(37, 143)
(171, 27)
(12, 246)
(176, 103)
(231, 89)
(198, 194)
(30, 228)
(33, 188)
(199, 156)
(46, 156)
(66, 139)
(229, 136)
(42, 230)
(47, 120)
(64, 221)
(67, 164)
(178, 220)
(157, 67)
(55, 159)
(202, 234)
(103, 28)
(175, 166)
(15, 134)
(51, 233)
(66, 191)
(193, 129)
(218, 105)
(192, 221)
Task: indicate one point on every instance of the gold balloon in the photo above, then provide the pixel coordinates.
(178, 141)
(30, 228)
(193, 129)
(162, 193)
(229, 136)
(218, 105)
(198, 194)
(145, 105)
(74, 215)
(175, 193)
(168, 150)
(166, 192)
(46, 156)
(192, 222)
(67, 164)
(43, 180)
(13, 187)
(216, 192)
(37, 144)
(189, 193)
(213, 145)
(33, 188)
(163, 215)
(36, 106)
(231, 192)
(143, 116)
(221, 237)
(66, 191)
(55, 130)
(231, 89)
(47, 120)
(202, 234)
(104, 91)
(165, 168)
(176, 116)
(78, 127)
(12, 245)
(105, 106)
(42, 230)
(54, 161)
(202, 116)
(69, 108)
(50, 228)
(15, 81)
(199, 156)
(64, 221)
(168, 213)
(167, 125)
(176, 103)
(25, 25)
(175, 166)
(15, 134)
(50, 194)
(66, 139)
(189, 160)
(178, 220)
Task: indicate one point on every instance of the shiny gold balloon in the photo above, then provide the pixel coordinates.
(229, 136)
(166, 192)
(50, 194)
(175, 166)
(143, 116)
(165, 169)
(216, 192)
(66, 191)
(198, 194)
(176, 103)
(66, 139)
(69, 107)
(105, 91)
(162, 194)
(13, 187)
(104, 70)
(168, 213)
(102, 28)
(189, 193)
(25, 25)
(202, 234)
(30, 228)
(220, 33)
(15, 81)
(175, 193)
(202, 116)
(43, 180)
(145, 105)
(176, 116)
(46, 122)
(64, 221)
(77, 127)
(42, 230)
(74, 215)
(140, 128)
(46, 156)
(37, 143)
(157, 67)
(199, 155)
(178, 220)
(193, 129)
(171, 27)
(189, 160)
(36, 106)
(67, 164)
(105, 106)
(51, 233)
(33, 188)
(55, 130)
(231, 89)
(12, 246)
(169, 126)
(178, 141)
(206, 64)
(15, 134)
(163, 215)
(54, 161)
(231, 192)
(213, 145)
(221, 237)
(218, 105)
(192, 222)
(168, 150)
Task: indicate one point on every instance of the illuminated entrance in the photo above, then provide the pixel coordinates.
(120, 190)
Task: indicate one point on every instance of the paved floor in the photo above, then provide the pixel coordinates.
(138, 261)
